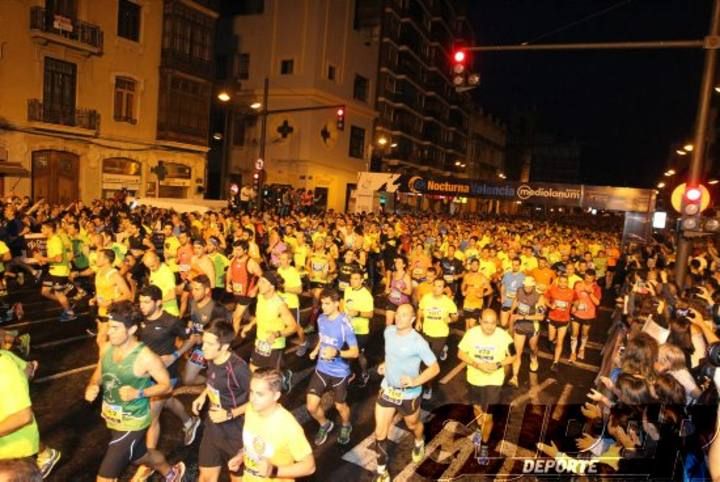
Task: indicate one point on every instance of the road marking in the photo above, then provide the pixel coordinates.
(62, 342)
(559, 405)
(533, 392)
(453, 373)
(511, 452)
(44, 320)
(578, 364)
(65, 373)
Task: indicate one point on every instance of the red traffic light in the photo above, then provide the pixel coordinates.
(693, 194)
(459, 56)
(340, 112)
(256, 175)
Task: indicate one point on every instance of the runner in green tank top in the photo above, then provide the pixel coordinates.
(125, 374)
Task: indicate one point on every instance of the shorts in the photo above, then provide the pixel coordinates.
(321, 383)
(317, 285)
(362, 342)
(526, 327)
(56, 283)
(473, 313)
(273, 360)
(436, 344)
(506, 308)
(220, 442)
(178, 279)
(388, 305)
(558, 324)
(405, 408)
(242, 300)
(582, 321)
(102, 319)
(485, 396)
(124, 449)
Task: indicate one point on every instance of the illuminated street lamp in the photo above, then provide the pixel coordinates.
(661, 185)
(688, 147)
(223, 96)
(256, 105)
(382, 141)
(712, 182)
(393, 145)
(670, 173)
(681, 152)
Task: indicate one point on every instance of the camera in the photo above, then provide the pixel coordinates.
(711, 362)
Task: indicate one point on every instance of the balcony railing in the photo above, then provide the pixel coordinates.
(187, 63)
(45, 21)
(66, 116)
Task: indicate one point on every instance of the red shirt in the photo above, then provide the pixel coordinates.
(585, 309)
(560, 300)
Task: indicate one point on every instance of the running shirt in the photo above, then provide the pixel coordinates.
(105, 289)
(170, 249)
(488, 268)
(123, 416)
(56, 247)
(319, 267)
(228, 384)
(585, 309)
(527, 302)
(242, 282)
(277, 438)
(79, 258)
(343, 274)
(560, 301)
(476, 283)
(267, 316)
(544, 277)
(291, 278)
(159, 335)
(201, 316)
(220, 263)
(396, 296)
(184, 257)
(300, 255)
(335, 333)
(3, 249)
(512, 282)
(360, 300)
(164, 278)
(403, 355)
(573, 280)
(25, 441)
(486, 349)
(436, 315)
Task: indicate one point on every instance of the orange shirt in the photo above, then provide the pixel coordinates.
(543, 276)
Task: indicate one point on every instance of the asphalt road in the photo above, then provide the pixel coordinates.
(544, 405)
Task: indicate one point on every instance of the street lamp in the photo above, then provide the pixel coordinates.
(661, 185)
(393, 145)
(688, 147)
(670, 173)
(712, 182)
(256, 105)
(223, 96)
(681, 152)
(217, 136)
(382, 141)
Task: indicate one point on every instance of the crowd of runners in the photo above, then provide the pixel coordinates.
(175, 294)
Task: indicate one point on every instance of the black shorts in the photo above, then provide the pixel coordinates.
(243, 300)
(388, 305)
(473, 314)
(484, 396)
(558, 324)
(526, 327)
(405, 408)
(273, 360)
(317, 285)
(124, 449)
(582, 322)
(321, 383)
(178, 279)
(56, 283)
(506, 308)
(362, 341)
(102, 319)
(220, 442)
(436, 344)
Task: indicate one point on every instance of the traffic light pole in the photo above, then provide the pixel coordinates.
(263, 133)
(711, 43)
(701, 123)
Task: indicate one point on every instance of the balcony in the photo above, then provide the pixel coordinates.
(65, 116)
(175, 59)
(47, 27)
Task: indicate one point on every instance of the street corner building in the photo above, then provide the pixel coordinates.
(94, 95)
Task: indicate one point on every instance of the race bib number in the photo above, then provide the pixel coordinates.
(263, 347)
(342, 285)
(448, 278)
(251, 464)
(197, 357)
(560, 305)
(393, 395)
(485, 353)
(237, 287)
(418, 273)
(112, 413)
(183, 268)
(523, 309)
(395, 296)
(214, 396)
(582, 307)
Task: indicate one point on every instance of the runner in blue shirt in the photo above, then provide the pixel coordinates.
(336, 344)
(401, 388)
(511, 282)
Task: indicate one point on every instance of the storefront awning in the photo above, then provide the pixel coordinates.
(13, 169)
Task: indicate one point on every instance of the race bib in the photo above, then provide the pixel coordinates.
(418, 273)
(112, 413)
(582, 307)
(263, 347)
(251, 464)
(523, 309)
(395, 296)
(560, 305)
(237, 287)
(393, 395)
(448, 278)
(214, 396)
(197, 357)
(342, 285)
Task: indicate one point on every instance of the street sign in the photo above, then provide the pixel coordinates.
(259, 164)
(677, 195)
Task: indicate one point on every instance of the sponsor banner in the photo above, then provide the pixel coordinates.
(618, 198)
(559, 194)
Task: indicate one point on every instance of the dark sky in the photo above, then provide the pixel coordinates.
(625, 107)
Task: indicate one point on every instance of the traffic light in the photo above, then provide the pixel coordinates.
(691, 209)
(462, 78)
(341, 118)
(257, 180)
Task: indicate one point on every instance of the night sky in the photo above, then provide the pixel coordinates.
(626, 108)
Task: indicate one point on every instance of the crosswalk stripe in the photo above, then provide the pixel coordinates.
(452, 373)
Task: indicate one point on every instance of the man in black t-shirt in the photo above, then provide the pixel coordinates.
(159, 331)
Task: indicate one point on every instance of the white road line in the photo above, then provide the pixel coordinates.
(43, 320)
(512, 453)
(533, 392)
(65, 373)
(578, 364)
(559, 405)
(452, 373)
(62, 342)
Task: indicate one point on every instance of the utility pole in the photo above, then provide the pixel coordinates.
(263, 136)
(711, 44)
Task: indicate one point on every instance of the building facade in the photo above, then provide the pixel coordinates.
(95, 94)
(487, 145)
(314, 55)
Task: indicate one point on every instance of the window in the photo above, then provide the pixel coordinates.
(287, 66)
(357, 142)
(65, 8)
(243, 67)
(184, 107)
(361, 86)
(238, 131)
(129, 20)
(59, 91)
(331, 73)
(125, 100)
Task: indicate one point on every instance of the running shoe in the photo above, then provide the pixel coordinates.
(534, 365)
(191, 430)
(67, 316)
(418, 452)
(344, 436)
(484, 455)
(177, 472)
(382, 477)
(573, 358)
(142, 474)
(323, 431)
(287, 381)
(47, 459)
(581, 353)
(427, 394)
(554, 367)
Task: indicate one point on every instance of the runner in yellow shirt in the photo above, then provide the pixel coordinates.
(55, 282)
(359, 304)
(475, 287)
